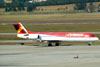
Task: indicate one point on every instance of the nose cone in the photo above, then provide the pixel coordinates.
(97, 38)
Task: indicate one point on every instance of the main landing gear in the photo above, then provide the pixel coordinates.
(90, 43)
(56, 44)
(50, 44)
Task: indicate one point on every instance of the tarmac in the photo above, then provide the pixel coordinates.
(44, 56)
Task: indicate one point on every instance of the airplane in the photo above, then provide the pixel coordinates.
(52, 37)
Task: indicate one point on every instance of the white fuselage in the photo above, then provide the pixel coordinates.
(57, 38)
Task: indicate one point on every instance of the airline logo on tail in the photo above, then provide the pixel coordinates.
(20, 28)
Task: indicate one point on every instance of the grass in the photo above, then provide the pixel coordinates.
(9, 37)
(80, 17)
(54, 28)
(64, 28)
(7, 29)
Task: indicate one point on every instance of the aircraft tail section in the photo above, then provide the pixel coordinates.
(20, 28)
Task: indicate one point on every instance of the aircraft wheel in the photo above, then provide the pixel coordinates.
(22, 43)
(50, 44)
(57, 44)
(89, 44)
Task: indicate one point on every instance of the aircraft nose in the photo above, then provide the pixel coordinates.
(97, 38)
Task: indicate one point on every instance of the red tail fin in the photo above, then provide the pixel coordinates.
(20, 28)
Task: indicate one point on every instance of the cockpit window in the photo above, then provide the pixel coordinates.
(89, 36)
(92, 36)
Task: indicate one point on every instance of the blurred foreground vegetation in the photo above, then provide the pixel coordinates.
(24, 5)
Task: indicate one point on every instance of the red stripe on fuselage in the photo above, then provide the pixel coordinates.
(65, 34)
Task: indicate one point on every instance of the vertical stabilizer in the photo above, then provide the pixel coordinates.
(20, 28)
